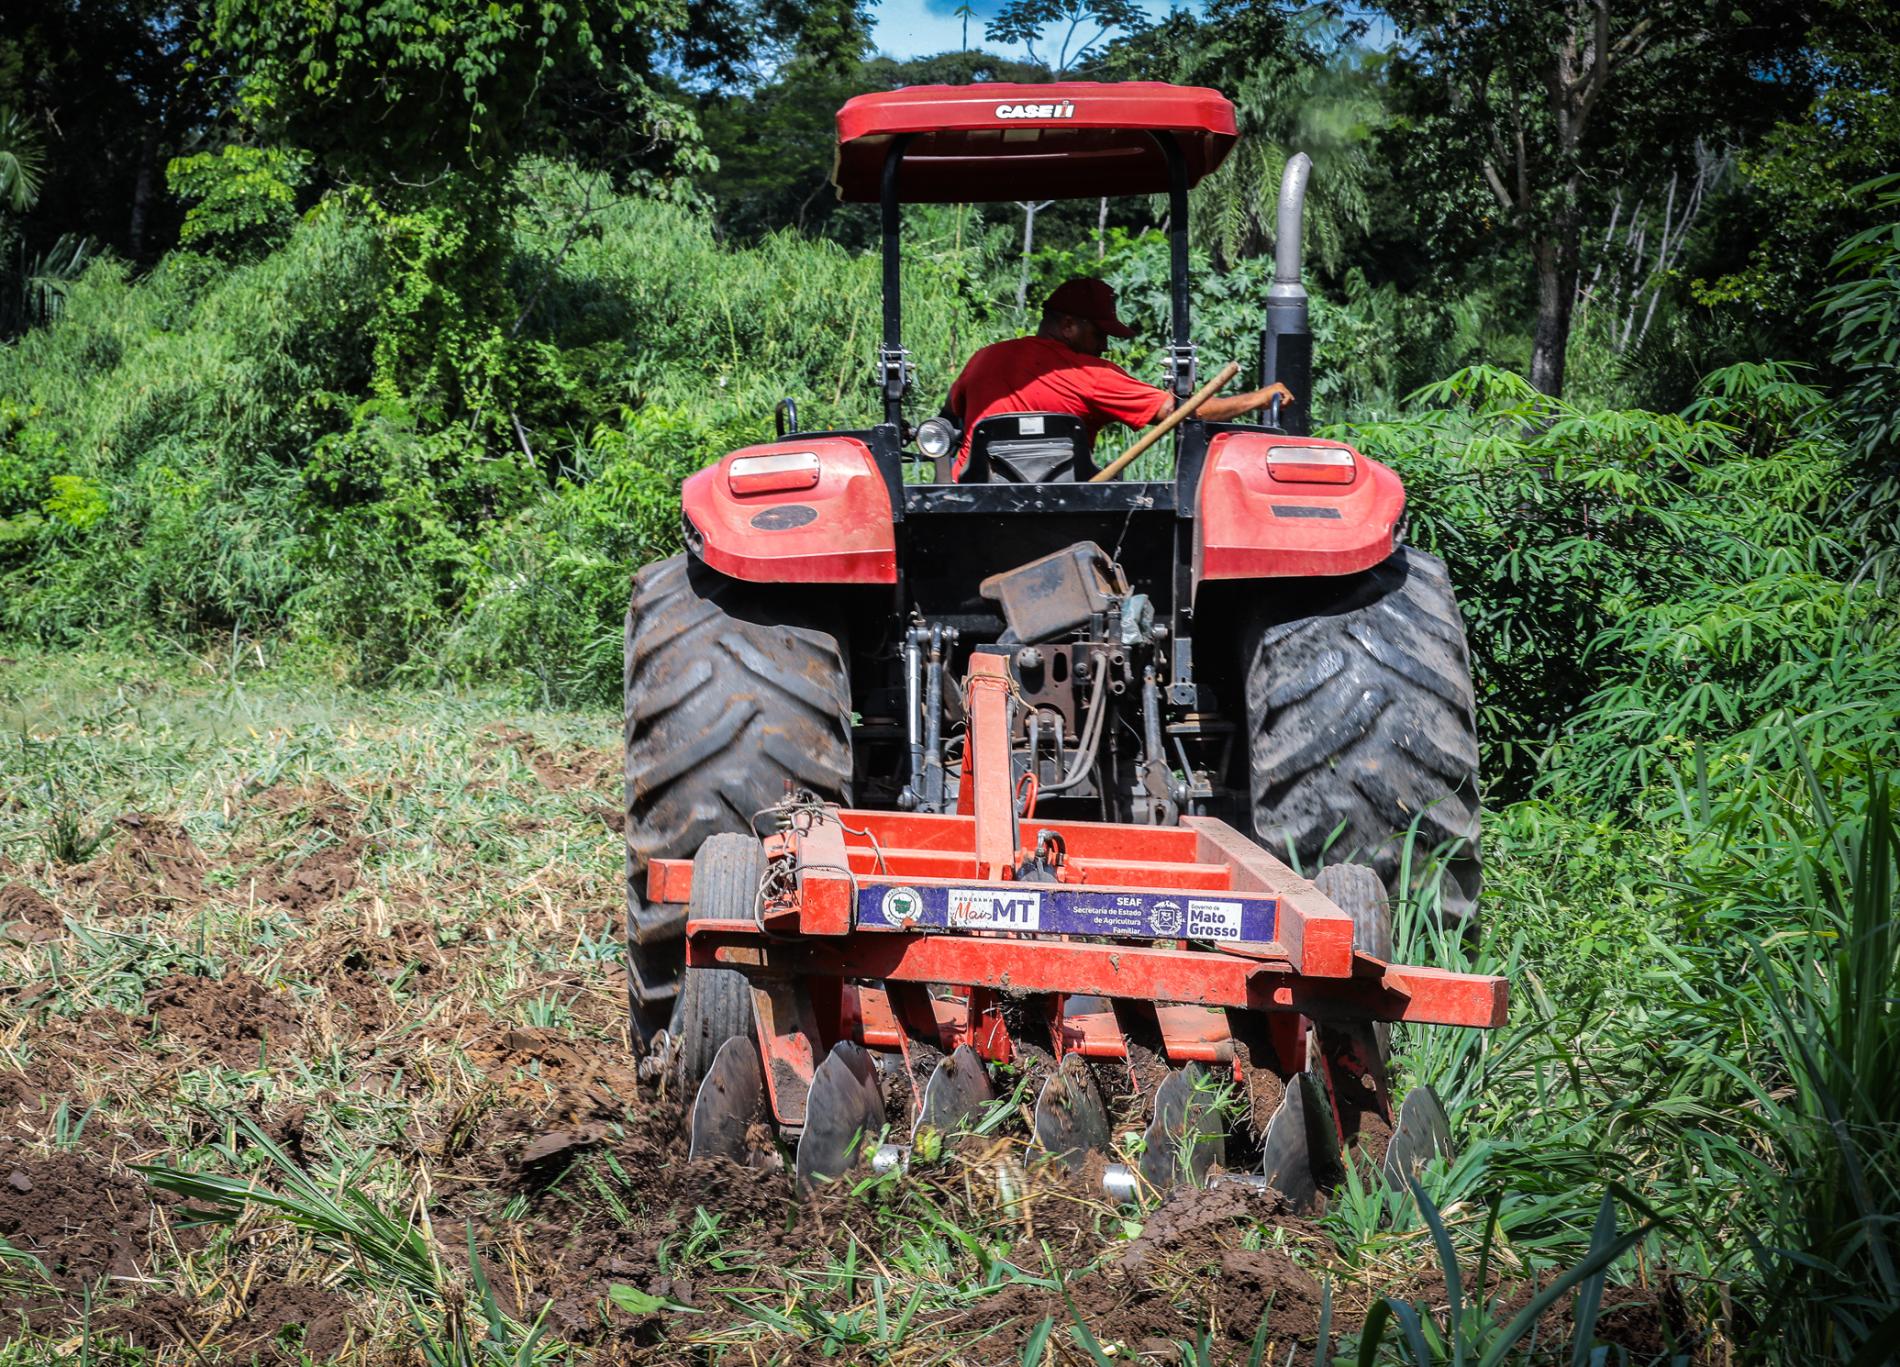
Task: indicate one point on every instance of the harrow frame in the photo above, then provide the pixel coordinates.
(1191, 937)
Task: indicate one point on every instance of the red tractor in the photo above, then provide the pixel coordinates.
(1248, 640)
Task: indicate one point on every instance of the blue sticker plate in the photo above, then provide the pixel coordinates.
(1066, 909)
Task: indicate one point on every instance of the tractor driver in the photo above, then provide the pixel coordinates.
(1061, 370)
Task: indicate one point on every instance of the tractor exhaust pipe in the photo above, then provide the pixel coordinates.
(1286, 342)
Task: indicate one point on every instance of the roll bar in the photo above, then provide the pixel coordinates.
(893, 362)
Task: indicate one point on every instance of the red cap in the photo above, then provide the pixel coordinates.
(1087, 297)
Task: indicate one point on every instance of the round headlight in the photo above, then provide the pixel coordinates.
(935, 437)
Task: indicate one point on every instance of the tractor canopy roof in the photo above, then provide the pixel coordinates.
(998, 141)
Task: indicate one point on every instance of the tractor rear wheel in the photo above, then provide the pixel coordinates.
(1362, 728)
(732, 691)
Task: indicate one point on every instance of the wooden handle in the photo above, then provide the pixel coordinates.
(1169, 423)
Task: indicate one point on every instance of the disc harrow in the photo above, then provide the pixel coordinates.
(1182, 1006)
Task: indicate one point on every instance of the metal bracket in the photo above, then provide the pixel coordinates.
(895, 371)
(1181, 689)
(1183, 369)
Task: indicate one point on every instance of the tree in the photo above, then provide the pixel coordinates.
(1799, 195)
(745, 44)
(22, 162)
(1030, 208)
(966, 12)
(113, 90)
(423, 109)
(1063, 22)
(775, 144)
(396, 94)
(1304, 85)
(1548, 103)
(1863, 310)
(32, 289)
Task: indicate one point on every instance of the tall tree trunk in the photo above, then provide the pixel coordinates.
(1030, 209)
(142, 190)
(1555, 255)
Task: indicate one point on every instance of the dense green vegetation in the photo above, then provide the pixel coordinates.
(338, 376)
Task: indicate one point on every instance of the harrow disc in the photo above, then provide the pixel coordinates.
(844, 1109)
(1358, 1053)
(1071, 1121)
(730, 1117)
(1187, 1135)
(1299, 1152)
(957, 1092)
(1423, 1133)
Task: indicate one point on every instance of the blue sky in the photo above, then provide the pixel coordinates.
(918, 28)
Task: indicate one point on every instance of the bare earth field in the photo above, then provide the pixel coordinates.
(311, 1049)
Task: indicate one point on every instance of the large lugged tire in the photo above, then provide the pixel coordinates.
(730, 692)
(1361, 726)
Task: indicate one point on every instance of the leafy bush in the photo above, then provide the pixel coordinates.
(1863, 307)
(188, 400)
(1637, 582)
(246, 197)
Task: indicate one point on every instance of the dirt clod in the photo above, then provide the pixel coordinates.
(560, 772)
(1189, 1219)
(563, 1079)
(151, 867)
(234, 1017)
(559, 1146)
(26, 917)
(321, 876)
(80, 1216)
(292, 1319)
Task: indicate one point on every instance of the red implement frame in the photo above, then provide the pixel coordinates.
(821, 973)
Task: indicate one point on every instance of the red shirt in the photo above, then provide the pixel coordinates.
(1044, 375)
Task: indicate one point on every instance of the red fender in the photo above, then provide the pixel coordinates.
(809, 510)
(1260, 522)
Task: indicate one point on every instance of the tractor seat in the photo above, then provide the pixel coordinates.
(1030, 448)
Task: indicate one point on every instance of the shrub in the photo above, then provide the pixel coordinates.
(1635, 582)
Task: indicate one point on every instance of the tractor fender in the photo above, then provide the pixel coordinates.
(809, 510)
(1256, 521)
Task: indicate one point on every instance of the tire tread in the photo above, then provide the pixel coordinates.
(1361, 720)
(730, 693)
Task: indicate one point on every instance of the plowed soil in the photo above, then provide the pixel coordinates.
(26, 917)
(385, 990)
(150, 867)
(325, 861)
(588, 771)
(234, 1017)
(81, 1217)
